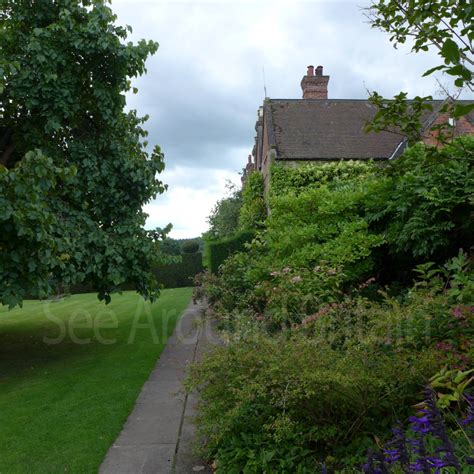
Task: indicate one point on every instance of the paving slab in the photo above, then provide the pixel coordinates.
(141, 459)
(159, 434)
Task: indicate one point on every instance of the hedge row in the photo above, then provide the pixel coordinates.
(216, 251)
(178, 275)
(171, 275)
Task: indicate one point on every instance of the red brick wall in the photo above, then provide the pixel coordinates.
(462, 127)
(265, 156)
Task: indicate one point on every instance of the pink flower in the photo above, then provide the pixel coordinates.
(444, 346)
(315, 316)
(286, 270)
(462, 312)
(457, 312)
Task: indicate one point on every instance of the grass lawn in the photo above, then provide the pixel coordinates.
(70, 372)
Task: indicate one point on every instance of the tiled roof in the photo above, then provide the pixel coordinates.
(327, 129)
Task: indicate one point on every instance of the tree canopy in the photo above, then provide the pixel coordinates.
(74, 166)
(224, 218)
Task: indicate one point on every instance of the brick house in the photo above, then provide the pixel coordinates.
(318, 129)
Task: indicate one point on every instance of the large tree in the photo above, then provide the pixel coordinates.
(74, 166)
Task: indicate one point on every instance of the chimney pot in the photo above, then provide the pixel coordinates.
(315, 86)
(250, 159)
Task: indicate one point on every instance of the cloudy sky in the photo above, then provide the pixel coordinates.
(205, 83)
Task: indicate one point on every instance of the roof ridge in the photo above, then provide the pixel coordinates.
(355, 100)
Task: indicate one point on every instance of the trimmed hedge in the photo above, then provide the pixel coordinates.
(179, 275)
(170, 275)
(190, 246)
(216, 251)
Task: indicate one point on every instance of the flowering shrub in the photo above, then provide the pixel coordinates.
(332, 380)
(427, 317)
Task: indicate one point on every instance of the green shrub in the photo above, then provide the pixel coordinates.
(314, 246)
(285, 403)
(425, 207)
(324, 224)
(359, 222)
(216, 251)
(428, 316)
(253, 211)
(181, 273)
(190, 246)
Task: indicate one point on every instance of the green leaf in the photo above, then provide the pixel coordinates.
(450, 51)
(461, 110)
(432, 70)
(460, 70)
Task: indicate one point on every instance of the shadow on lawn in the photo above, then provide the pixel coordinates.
(26, 352)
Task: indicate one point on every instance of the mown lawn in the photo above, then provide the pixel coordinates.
(70, 372)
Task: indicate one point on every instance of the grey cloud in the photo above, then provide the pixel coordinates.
(205, 84)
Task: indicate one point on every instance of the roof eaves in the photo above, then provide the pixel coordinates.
(268, 117)
(376, 158)
(399, 149)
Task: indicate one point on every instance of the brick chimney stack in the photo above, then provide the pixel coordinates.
(315, 86)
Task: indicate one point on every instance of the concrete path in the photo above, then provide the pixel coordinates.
(158, 435)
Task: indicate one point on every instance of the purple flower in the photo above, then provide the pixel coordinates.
(438, 429)
(420, 424)
(375, 463)
(411, 454)
(397, 448)
(421, 464)
(430, 421)
(468, 421)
